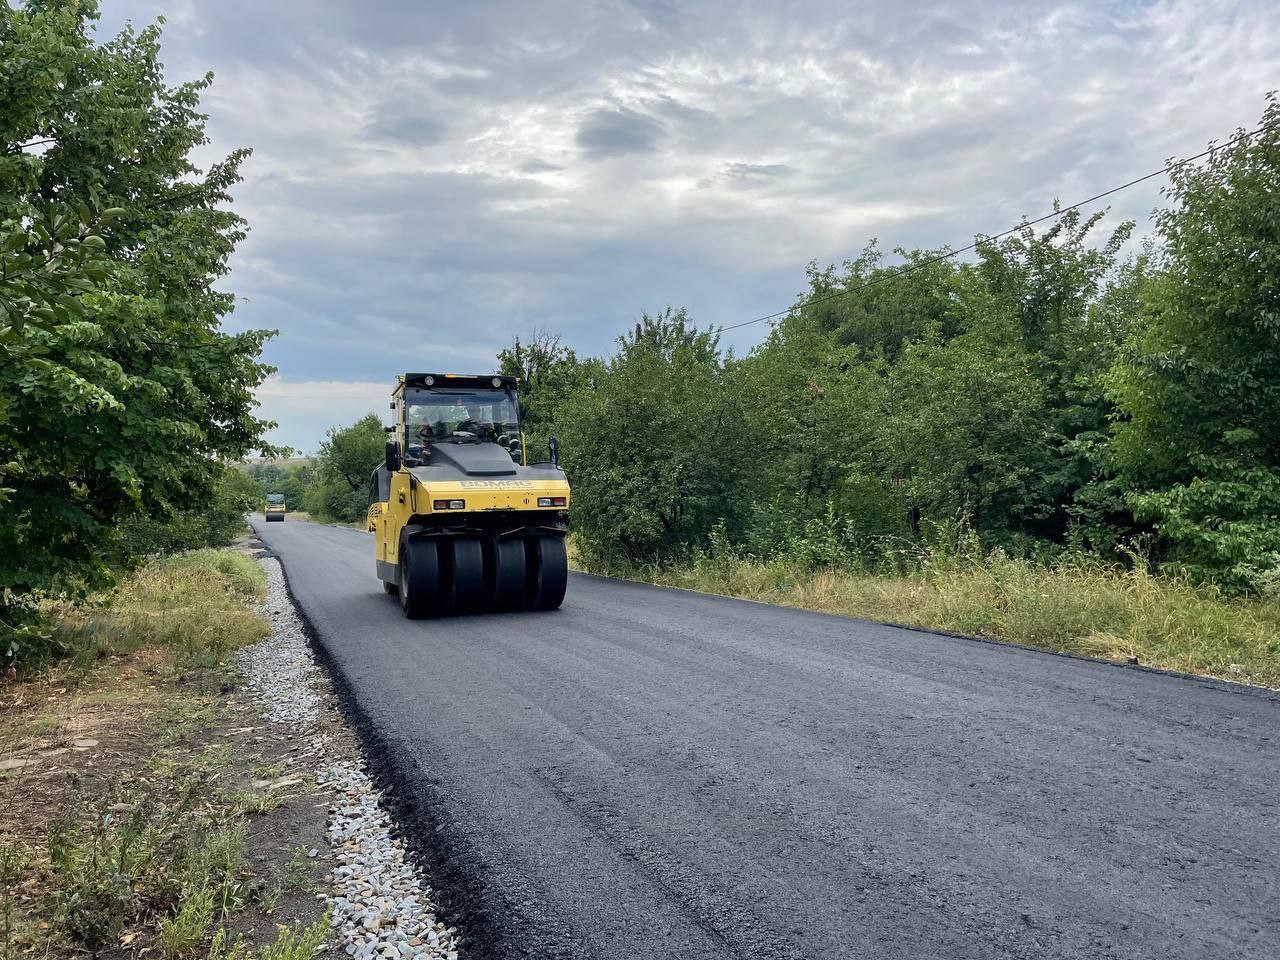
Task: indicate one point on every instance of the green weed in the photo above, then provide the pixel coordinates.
(97, 867)
(135, 857)
(14, 860)
(298, 942)
(254, 802)
(297, 873)
(182, 932)
(268, 897)
(224, 948)
(185, 717)
(291, 943)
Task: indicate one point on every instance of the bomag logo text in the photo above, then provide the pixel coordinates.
(498, 484)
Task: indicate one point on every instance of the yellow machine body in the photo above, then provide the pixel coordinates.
(274, 509)
(461, 521)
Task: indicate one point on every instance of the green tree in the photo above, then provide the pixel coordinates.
(654, 449)
(120, 394)
(879, 308)
(291, 479)
(343, 465)
(971, 389)
(1052, 298)
(1198, 437)
(966, 433)
(812, 408)
(550, 374)
(214, 522)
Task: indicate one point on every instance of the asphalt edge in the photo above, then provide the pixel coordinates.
(488, 925)
(1216, 683)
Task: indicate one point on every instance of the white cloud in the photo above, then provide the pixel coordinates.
(305, 409)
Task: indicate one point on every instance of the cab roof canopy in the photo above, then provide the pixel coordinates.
(465, 381)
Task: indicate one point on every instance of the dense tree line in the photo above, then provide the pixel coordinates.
(1059, 393)
(121, 397)
(334, 484)
(1052, 394)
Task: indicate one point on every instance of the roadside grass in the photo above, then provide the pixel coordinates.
(126, 790)
(168, 852)
(297, 942)
(183, 931)
(255, 801)
(1106, 612)
(15, 860)
(195, 604)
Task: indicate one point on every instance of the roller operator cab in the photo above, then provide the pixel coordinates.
(462, 522)
(275, 509)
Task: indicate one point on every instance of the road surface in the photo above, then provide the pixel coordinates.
(652, 773)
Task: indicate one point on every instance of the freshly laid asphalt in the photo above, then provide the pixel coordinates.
(652, 773)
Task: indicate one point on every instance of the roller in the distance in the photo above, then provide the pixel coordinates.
(275, 508)
(461, 521)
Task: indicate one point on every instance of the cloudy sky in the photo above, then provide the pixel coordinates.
(430, 179)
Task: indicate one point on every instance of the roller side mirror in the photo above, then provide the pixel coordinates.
(555, 452)
(393, 456)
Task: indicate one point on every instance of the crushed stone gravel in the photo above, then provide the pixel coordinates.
(381, 908)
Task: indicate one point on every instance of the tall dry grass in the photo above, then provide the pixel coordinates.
(196, 604)
(1107, 612)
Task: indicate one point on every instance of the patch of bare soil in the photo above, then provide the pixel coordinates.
(125, 791)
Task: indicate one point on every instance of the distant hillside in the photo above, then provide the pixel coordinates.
(278, 461)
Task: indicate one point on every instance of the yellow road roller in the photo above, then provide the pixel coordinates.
(275, 508)
(461, 521)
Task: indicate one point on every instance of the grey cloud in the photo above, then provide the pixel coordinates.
(406, 124)
(747, 175)
(614, 133)
(539, 166)
(756, 171)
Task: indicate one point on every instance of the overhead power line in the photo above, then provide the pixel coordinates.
(921, 264)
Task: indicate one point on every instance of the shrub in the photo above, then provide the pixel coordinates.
(212, 524)
(335, 500)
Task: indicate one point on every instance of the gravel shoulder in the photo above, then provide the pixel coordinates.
(380, 907)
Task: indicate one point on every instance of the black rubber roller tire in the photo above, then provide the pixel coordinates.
(507, 574)
(548, 574)
(466, 581)
(420, 593)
